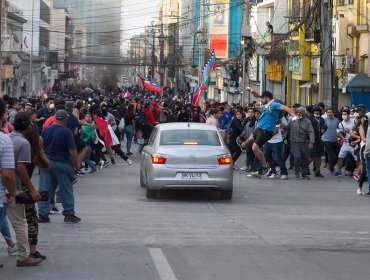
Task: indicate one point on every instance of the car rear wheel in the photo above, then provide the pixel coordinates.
(227, 195)
(150, 193)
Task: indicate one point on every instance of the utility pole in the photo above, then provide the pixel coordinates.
(153, 54)
(326, 53)
(202, 34)
(161, 56)
(176, 84)
(246, 34)
(30, 90)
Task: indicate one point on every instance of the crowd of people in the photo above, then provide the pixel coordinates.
(71, 136)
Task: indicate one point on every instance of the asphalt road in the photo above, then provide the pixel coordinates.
(272, 229)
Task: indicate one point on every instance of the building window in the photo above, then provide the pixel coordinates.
(44, 12)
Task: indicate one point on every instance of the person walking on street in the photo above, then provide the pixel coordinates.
(23, 160)
(345, 129)
(330, 139)
(302, 138)
(60, 149)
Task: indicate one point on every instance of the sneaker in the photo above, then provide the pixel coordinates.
(269, 173)
(106, 164)
(129, 154)
(37, 255)
(265, 171)
(28, 262)
(337, 174)
(318, 174)
(359, 191)
(129, 161)
(101, 164)
(272, 176)
(84, 170)
(71, 219)
(356, 177)
(79, 173)
(54, 210)
(284, 177)
(43, 219)
(366, 194)
(113, 161)
(75, 180)
(12, 251)
(244, 168)
(256, 174)
(235, 167)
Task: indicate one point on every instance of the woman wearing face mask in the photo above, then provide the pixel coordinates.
(345, 129)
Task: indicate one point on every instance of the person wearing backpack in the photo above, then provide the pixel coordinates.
(147, 122)
(267, 124)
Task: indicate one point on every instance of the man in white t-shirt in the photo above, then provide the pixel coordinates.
(273, 149)
(344, 132)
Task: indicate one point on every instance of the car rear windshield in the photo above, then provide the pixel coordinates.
(189, 137)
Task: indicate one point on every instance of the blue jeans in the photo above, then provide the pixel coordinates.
(129, 131)
(87, 157)
(59, 174)
(275, 151)
(4, 225)
(368, 170)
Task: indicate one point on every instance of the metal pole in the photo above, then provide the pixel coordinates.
(202, 41)
(31, 53)
(246, 34)
(161, 58)
(326, 52)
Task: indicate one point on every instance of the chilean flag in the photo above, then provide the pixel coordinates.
(43, 94)
(197, 97)
(150, 86)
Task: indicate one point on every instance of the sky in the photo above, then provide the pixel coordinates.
(136, 14)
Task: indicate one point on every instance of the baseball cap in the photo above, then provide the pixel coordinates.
(61, 115)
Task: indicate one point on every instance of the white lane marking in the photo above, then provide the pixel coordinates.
(161, 263)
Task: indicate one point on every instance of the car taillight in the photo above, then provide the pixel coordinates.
(224, 160)
(158, 159)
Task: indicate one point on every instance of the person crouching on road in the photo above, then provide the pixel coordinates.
(60, 149)
(302, 138)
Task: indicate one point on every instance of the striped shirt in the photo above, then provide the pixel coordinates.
(6, 161)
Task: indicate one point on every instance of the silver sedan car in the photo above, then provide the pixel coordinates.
(186, 156)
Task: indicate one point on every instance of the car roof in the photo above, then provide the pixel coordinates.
(185, 125)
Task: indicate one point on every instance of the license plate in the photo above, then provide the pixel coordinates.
(191, 176)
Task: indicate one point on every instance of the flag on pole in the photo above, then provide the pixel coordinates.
(205, 79)
(150, 86)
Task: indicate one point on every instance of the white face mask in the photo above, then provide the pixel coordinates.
(317, 115)
(51, 106)
(344, 117)
(356, 115)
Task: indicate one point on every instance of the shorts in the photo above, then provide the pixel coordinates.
(79, 143)
(318, 150)
(261, 136)
(345, 149)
